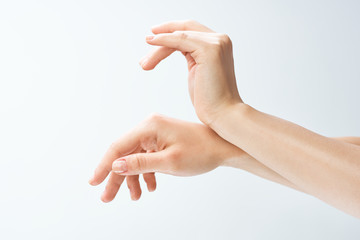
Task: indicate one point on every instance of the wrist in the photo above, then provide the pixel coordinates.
(231, 111)
(236, 158)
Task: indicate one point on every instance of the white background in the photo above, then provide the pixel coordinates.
(70, 84)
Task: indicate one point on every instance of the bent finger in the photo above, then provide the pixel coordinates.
(155, 56)
(112, 187)
(134, 186)
(183, 41)
(127, 144)
(150, 180)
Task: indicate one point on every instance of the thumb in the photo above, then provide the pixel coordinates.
(139, 163)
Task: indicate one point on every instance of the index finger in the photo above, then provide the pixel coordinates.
(187, 25)
(155, 56)
(129, 143)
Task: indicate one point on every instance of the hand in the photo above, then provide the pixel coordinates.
(212, 83)
(161, 144)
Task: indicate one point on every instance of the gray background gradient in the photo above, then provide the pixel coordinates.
(70, 84)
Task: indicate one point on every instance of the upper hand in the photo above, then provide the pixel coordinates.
(212, 83)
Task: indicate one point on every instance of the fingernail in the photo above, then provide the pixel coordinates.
(119, 166)
(149, 38)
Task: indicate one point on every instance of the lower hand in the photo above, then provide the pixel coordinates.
(161, 144)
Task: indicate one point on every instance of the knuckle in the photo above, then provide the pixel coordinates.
(139, 162)
(151, 126)
(221, 46)
(224, 41)
(225, 38)
(181, 34)
(174, 158)
(175, 154)
(153, 118)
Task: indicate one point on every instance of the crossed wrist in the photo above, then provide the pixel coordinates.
(220, 120)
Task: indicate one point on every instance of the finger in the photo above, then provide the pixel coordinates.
(127, 144)
(112, 187)
(134, 186)
(187, 25)
(141, 163)
(182, 40)
(154, 57)
(150, 180)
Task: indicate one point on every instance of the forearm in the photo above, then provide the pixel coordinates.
(352, 140)
(247, 163)
(326, 168)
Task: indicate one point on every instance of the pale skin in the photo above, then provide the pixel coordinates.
(233, 133)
